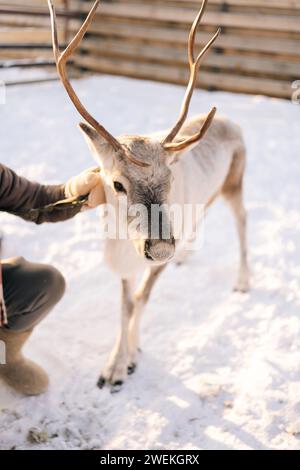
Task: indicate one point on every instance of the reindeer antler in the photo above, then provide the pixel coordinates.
(194, 68)
(61, 59)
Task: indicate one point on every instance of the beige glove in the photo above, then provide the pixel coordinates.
(88, 182)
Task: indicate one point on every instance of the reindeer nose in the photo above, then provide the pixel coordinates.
(159, 250)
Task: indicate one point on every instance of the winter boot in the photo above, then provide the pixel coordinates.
(20, 373)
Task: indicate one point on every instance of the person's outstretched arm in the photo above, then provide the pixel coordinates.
(18, 193)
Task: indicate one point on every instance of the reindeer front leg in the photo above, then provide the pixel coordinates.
(141, 297)
(115, 372)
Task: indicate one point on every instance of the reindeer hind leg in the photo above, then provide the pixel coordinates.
(232, 191)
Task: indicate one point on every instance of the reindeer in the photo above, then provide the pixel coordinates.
(195, 162)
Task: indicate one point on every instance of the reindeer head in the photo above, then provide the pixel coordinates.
(137, 167)
(142, 189)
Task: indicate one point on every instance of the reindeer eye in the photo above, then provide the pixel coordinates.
(119, 187)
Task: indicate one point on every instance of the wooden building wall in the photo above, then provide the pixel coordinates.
(257, 52)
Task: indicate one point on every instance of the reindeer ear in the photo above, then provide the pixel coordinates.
(101, 150)
(88, 131)
(173, 154)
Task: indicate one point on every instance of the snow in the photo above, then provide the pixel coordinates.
(17, 74)
(219, 370)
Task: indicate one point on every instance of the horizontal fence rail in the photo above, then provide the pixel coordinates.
(257, 52)
(25, 37)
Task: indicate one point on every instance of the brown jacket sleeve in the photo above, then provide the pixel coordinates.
(18, 193)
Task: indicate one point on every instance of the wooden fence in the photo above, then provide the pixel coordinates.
(257, 52)
(25, 29)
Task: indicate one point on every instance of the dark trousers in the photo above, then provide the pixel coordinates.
(31, 290)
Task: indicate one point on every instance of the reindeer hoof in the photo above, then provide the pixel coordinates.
(242, 287)
(131, 368)
(116, 386)
(242, 290)
(101, 382)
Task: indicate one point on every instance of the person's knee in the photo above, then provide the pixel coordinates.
(31, 290)
(54, 283)
(49, 285)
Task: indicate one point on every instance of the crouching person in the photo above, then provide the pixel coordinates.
(29, 291)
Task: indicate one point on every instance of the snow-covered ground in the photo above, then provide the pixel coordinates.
(219, 370)
(18, 74)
